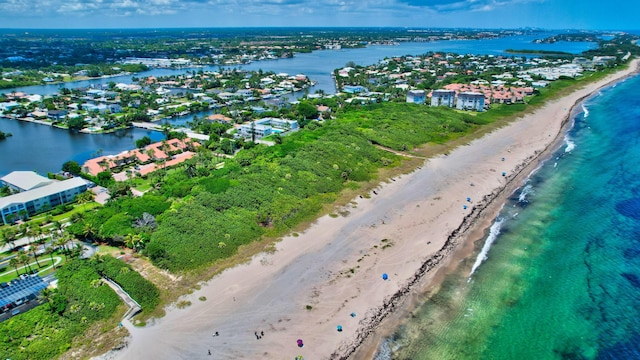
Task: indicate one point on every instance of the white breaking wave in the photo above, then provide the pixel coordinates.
(585, 111)
(494, 231)
(570, 144)
(528, 189)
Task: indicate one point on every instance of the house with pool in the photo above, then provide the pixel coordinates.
(267, 126)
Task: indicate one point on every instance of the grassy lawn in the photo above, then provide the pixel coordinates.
(77, 208)
(109, 250)
(9, 273)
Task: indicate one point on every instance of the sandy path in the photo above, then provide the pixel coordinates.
(336, 265)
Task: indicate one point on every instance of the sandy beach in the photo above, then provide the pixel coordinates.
(410, 227)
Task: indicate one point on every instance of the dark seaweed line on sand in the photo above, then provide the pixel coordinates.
(374, 317)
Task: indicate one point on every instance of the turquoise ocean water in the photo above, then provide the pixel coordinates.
(561, 279)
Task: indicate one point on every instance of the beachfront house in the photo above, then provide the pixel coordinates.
(470, 101)
(443, 97)
(39, 199)
(416, 96)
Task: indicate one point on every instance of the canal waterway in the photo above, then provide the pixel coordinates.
(43, 148)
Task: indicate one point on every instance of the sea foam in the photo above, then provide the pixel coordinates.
(528, 189)
(570, 144)
(585, 111)
(494, 231)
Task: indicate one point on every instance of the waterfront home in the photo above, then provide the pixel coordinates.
(470, 101)
(162, 150)
(416, 96)
(219, 118)
(39, 199)
(38, 114)
(7, 106)
(443, 97)
(56, 114)
(354, 89)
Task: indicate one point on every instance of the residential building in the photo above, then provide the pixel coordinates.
(267, 126)
(6, 106)
(56, 114)
(470, 101)
(19, 181)
(219, 118)
(443, 97)
(354, 89)
(162, 150)
(254, 129)
(416, 96)
(40, 199)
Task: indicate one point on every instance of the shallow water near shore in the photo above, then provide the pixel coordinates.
(562, 276)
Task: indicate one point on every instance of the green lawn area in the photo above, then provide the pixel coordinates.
(9, 273)
(77, 208)
(106, 249)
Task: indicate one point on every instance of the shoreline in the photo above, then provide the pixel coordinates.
(412, 228)
(477, 227)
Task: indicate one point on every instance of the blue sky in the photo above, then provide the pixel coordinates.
(550, 14)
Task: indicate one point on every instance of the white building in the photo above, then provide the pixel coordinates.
(40, 199)
(19, 181)
(416, 96)
(265, 127)
(470, 101)
(443, 97)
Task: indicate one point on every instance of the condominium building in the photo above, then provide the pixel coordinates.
(40, 199)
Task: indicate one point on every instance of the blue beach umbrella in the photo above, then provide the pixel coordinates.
(385, 276)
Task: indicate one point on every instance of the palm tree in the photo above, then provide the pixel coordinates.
(50, 250)
(34, 250)
(56, 225)
(151, 153)
(23, 257)
(32, 232)
(88, 231)
(77, 250)
(84, 198)
(15, 262)
(62, 241)
(46, 295)
(133, 241)
(8, 237)
(75, 217)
